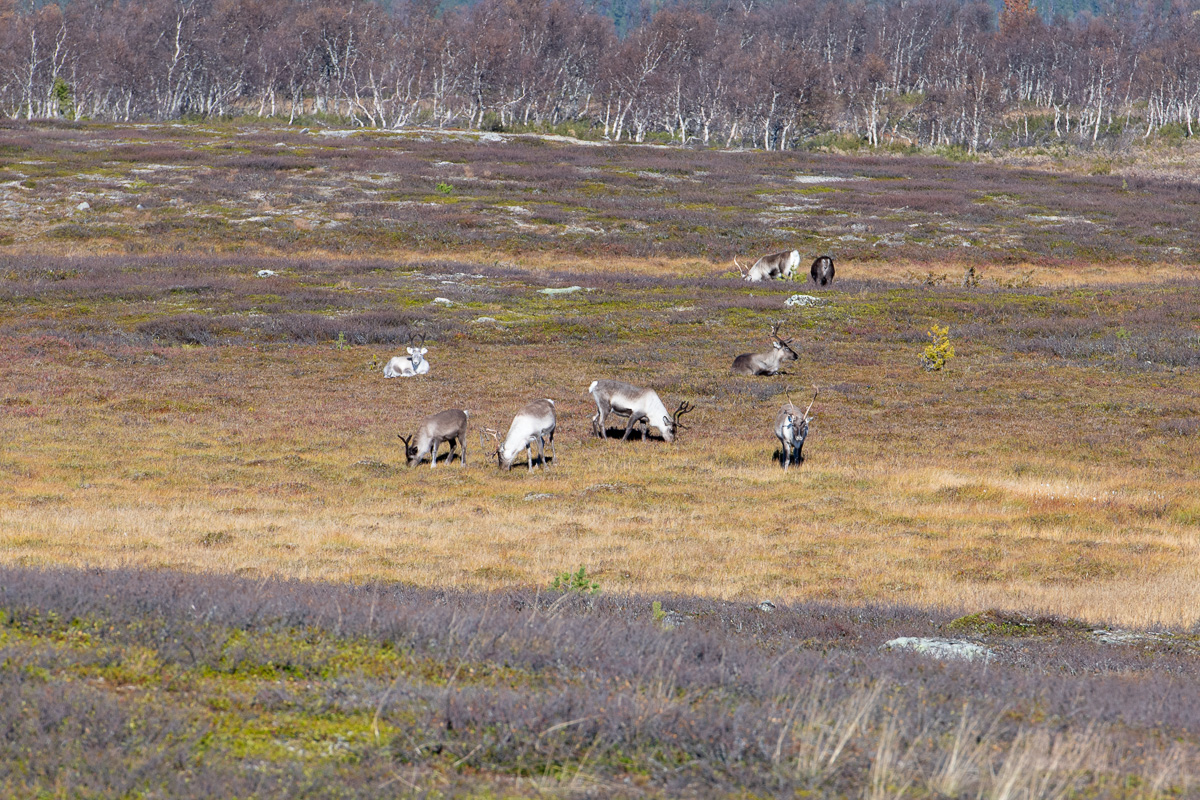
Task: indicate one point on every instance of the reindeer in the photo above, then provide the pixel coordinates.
(535, 422)
(777, 265)
(446, 426)
(766, 363)
(413, 364)
(822, 270)
(791, 426)
(640, 405)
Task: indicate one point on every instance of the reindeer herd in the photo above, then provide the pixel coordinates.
(783, 266)
(537, 420)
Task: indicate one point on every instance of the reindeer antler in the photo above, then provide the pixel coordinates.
(684, 408)
(406, 439)
(741, 269)
(775, 333)
(816, 391)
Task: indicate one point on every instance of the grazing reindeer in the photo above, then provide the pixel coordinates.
(535, 422)
(791, 426)
(408, 366)
(777, 265)
(446, 426)
(766, 363)
(822, 270)
(640, 405)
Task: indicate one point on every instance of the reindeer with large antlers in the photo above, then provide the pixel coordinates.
(776, 265)
(640, 405)
(535, 422)
(766, 363)
(447, 426)
(791, 427)
(412, 364)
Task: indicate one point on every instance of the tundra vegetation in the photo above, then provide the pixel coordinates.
(218, 571)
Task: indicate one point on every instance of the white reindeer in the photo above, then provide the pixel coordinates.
(640, 405)
(535, 422)
(412, 364)
(446, 426)
(791, 427)
(777, 265)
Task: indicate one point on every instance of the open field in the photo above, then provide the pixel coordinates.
(161, 684)
(165, 408)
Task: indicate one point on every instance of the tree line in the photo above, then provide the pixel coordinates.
(772, 76)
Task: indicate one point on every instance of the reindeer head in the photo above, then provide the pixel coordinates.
(415, 353)
(410, 449)
(672, 424)
(783, 344)
(501, 461)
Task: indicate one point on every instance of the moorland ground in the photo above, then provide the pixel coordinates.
(166, 408)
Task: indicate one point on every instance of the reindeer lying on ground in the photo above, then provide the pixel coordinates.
(777, 265)
(640, 405)
(791, 427)
(822, 270)
(766, 363)
(535, 422)
(446, 426)
(412, 364)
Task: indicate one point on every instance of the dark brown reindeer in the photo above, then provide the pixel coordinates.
(766, 363)
(446, 426)
(791, 427)
(640, 405)
(822, 270)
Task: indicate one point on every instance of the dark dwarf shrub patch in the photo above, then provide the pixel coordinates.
(359, 683)
(182, 329)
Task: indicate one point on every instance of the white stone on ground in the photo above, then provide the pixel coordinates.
(941, 648)
(802, 300)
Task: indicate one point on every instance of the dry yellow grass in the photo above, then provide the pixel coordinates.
(939, 490)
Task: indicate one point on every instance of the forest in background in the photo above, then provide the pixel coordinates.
(923, 73)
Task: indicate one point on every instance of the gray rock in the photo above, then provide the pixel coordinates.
(941, 648)
(802, 300)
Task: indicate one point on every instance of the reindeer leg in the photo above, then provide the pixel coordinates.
(553, 452)
(598, 422)
(529, 454)
(433, 448)
(629, 427)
